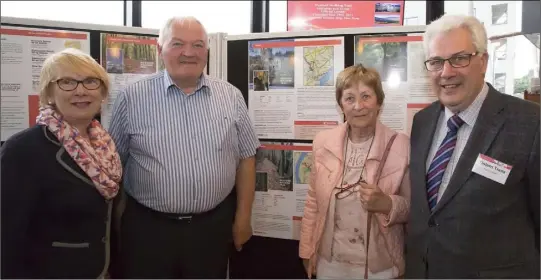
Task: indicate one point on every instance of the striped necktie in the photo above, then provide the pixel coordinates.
(441, 159)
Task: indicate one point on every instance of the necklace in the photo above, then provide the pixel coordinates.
(349, 186)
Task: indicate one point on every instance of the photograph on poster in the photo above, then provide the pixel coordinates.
(386, 19)
(279, 62)
(277, 165)
(387, 8)
(390, 59)
(115, 60)
(261, 80)
(139, 52)
(261, 181)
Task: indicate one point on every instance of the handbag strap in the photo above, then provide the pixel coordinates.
(369, 214)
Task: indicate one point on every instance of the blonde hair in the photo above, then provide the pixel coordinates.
(356, 74)
(71, 60)
(450, 22)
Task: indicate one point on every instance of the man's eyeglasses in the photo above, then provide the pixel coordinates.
(456, 61)
(69, 84)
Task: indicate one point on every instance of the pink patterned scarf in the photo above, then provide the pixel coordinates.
(97, 158)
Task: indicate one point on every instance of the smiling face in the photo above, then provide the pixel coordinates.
(360, 106)
(457, 87)
(77, 103)
(185, 50)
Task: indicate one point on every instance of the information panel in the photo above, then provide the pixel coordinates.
(310, 15)
(282, 177)
(400, 63)
(127, 58)
(23, 52)
(291, 86)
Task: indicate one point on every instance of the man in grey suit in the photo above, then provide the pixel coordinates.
(474, 167)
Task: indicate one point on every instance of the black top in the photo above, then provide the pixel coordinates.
(55, 224)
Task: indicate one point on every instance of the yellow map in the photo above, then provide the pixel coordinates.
(303, 165)
(318, 67)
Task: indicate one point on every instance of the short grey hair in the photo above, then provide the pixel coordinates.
(449, 22)
(165, 31)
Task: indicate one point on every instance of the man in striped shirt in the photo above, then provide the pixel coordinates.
(188, 147)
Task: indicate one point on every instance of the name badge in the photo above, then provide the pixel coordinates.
(492, 169)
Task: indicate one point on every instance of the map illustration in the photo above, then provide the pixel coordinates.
(303, 166)
(318, 67)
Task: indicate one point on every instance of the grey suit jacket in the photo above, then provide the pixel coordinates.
(479, 228)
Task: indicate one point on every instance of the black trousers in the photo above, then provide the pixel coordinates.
(159, 245)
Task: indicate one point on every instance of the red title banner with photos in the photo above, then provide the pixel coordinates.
(310, 15)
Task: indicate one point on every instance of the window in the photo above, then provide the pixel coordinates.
(499, 81)
(232, 17)
(499, 14)
(97, 12)
(414, 14)
(501, 50)
(458, 7)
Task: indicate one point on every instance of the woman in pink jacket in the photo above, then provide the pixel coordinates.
(347, 199)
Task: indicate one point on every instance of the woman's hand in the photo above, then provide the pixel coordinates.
(310, 271)
(374, 200)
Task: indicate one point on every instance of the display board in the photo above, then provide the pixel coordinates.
(291, 86)
(289, 105)
(126, 58)
(310, 15)
(23, 52)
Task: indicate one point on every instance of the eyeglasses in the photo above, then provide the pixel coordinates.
(456, 61)
(69, 84)
(347, 190)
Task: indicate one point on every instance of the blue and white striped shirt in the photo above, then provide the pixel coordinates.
(181, 151)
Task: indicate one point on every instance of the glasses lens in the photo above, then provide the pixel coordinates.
(67, 84)
(434, 64)
(460, 61)
(92, 83)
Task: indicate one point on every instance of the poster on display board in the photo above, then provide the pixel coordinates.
(310, 15)
(23, 52)
(291, 86)
(282, 177)
(127, 59)
(400, 63)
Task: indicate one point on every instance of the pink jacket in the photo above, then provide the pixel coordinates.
(328, 148)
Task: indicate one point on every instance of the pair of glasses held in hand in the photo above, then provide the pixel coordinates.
(348, 189)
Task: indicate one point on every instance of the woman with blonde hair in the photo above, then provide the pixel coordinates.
(358, 198)
(59, 178)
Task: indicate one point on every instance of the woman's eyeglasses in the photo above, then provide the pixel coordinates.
(69, 84)
(348, 190)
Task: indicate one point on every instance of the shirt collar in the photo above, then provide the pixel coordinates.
(470, 114)
(203, 83)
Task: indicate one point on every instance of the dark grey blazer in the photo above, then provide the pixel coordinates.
(480, 228)
(55, 224)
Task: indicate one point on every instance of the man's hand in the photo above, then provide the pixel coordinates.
(242, 231)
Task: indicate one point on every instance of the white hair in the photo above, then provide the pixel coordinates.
(165, 31)
(449, 22)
